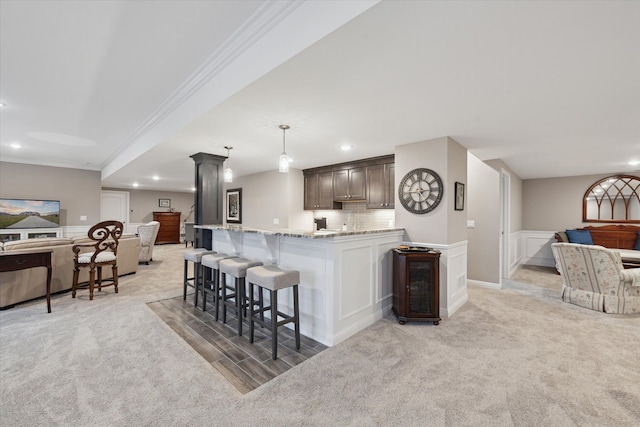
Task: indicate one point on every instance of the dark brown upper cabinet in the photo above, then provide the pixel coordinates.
(318, 191)
(327, 187)
(380, 186)
(349, 185)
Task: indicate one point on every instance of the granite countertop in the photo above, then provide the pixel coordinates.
(321, 234)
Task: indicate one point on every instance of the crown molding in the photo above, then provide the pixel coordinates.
(260, 23)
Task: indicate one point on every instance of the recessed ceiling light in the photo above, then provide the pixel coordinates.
(15, 145)
(346, 147)
(156, 177)
(135, 184)
(634, 163)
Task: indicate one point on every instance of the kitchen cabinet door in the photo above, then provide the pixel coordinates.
(380, 186)
(318, 191)
(349, 184)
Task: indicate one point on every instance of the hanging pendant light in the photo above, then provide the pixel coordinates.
(228, 173)
(283, 165)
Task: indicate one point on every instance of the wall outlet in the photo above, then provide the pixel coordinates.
(276, 221)
(471, 223)
(83, 217)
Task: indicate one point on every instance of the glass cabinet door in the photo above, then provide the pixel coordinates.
(420, 298)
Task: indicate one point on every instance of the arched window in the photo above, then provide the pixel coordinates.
(613, 199)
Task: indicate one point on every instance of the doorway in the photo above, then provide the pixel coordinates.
(114, 205)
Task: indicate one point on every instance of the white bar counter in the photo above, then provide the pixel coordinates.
(346, 276)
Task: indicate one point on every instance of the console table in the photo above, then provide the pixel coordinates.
(21, 260)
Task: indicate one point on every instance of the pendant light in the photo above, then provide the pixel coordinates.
(283, 165)
(228, 173)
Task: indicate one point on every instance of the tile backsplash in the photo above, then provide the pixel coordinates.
(357, 217)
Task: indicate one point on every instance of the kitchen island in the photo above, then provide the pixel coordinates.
(346, 276)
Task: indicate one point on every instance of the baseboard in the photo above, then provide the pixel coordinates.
(489, 285)
(446, 313)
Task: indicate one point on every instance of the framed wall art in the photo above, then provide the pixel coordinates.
(164, 203)
(234, 206)
(459, 197)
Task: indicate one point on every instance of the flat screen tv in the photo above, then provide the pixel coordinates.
(20, 213)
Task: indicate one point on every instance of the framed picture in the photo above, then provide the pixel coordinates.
(164, 203)
(234, 206)
(459, 199)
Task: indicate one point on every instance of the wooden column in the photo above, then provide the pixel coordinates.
(209, 198)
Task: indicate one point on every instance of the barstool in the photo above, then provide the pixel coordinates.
(236, 267)
(195, 256)
(273, 278)
(211, 261)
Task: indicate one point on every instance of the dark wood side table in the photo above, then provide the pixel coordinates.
(416, 285)
(21, 260)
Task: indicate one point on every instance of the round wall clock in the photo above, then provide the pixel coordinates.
(420, 191)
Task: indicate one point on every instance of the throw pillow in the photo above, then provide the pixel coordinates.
(637, 246)
(582, 237)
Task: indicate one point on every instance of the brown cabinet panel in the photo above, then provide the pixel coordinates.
(326, 187)
(380, 186)
(349, 184)
(169, 231)
(416, 286)
(318, 191)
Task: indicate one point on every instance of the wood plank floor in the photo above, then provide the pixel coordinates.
(247, 366)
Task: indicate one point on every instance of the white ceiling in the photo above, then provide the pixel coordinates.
(134, 88)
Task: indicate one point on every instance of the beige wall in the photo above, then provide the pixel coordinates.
(515, 195)
(78, 190)
(447, 158)
(142, 203)
(270, 195)
(483, 195)
(551, 204)
(456, 172)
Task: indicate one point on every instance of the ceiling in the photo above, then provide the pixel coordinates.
(134, 88)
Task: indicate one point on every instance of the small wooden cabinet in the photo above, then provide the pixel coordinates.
(349, 184)
(380, 186)
(169, 231)
(416, 285)
(318, 191)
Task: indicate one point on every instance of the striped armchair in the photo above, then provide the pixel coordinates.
(148, 233)
(593, 277)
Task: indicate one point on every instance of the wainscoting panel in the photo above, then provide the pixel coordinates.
(536, 248)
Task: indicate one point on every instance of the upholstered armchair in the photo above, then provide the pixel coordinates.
(147, 233)
(593, 277)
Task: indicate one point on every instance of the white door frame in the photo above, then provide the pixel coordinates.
(505, 224)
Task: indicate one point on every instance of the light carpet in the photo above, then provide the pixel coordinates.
(512, 357)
